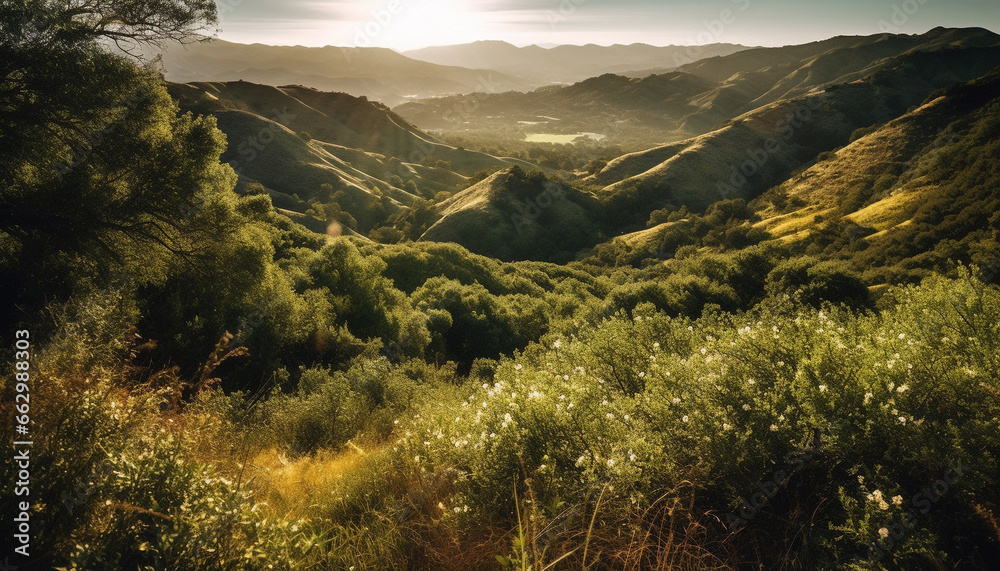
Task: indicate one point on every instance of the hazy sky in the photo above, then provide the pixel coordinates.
(409, 24)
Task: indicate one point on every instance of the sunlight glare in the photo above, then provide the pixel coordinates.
(423, 23)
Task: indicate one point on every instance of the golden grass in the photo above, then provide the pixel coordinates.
(794, 225)
(290, 485)
(891, 211)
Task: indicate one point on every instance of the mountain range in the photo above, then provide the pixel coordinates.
(802, 126)
(829, 142)
(392, 78)
(568, 63)
(377, 73)
(692, 100)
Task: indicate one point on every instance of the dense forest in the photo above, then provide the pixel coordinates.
(214, 385)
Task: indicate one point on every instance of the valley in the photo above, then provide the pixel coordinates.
(497, 306)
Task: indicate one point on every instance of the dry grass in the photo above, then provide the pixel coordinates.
(292, 485)
(891, 211)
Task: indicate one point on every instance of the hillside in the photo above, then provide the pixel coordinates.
(294, 140)
(767, 148)
(377, 73)
(621, 109)
(515, 215)
(763, 147)
(566, 63)
(695, 99)
(920, 191)
(904, 199)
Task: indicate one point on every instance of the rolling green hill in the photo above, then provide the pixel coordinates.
(518, 215)
(915, 193)
(781, 360)
(294, 140)
(903, 199)
(763, 147)
(818, 197)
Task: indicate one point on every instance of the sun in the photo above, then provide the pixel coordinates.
(421, 23)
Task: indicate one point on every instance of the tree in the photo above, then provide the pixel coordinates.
(97, 170)
(129, 24)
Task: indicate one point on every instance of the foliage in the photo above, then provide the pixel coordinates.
(213, 386)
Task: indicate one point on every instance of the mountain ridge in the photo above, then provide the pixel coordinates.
(378, 73)
(713, 91)
(565, 63)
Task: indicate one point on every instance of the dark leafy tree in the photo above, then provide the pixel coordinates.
(96, 169)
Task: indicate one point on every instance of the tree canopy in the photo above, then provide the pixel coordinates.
(97, 169)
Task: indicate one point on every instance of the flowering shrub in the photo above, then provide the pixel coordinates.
(857, 439)
(819, 397)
